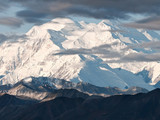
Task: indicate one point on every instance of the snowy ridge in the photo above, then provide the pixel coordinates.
(40, 87)
(34, 56)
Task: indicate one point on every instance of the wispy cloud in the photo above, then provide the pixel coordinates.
(154, 45)
(11, 37)
(118, 56)
(137, 57)
(151, 23)
(104, 50)
(11, 21)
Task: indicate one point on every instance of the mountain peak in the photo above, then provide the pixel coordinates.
(62, 20)
(107, 22)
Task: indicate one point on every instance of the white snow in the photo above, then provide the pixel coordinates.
(34, 56)
(27, 80)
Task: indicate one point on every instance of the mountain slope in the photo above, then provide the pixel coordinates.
(125, 107)
(11, 106)
(35, 56)
(144, 106)
(50, 109)
(49, 88)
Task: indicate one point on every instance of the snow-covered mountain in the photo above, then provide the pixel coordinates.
(39, 88)
(35, 55)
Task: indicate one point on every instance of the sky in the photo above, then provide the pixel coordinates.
(18, 16)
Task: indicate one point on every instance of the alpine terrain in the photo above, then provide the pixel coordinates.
(79, 52)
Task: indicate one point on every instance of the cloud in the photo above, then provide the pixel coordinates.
(11, 37)
(104, 9)
(154, 45)
(114, 5)
(103, 50)
(38, 11)
(137, 57)
(11, 21)
(151, 23)
(31, 16)
(4, 5)
(118, 56)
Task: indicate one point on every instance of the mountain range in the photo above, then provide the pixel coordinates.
(43, 88)
(78, 52)
(80, 106)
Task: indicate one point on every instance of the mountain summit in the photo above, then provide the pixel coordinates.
(36, 54)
